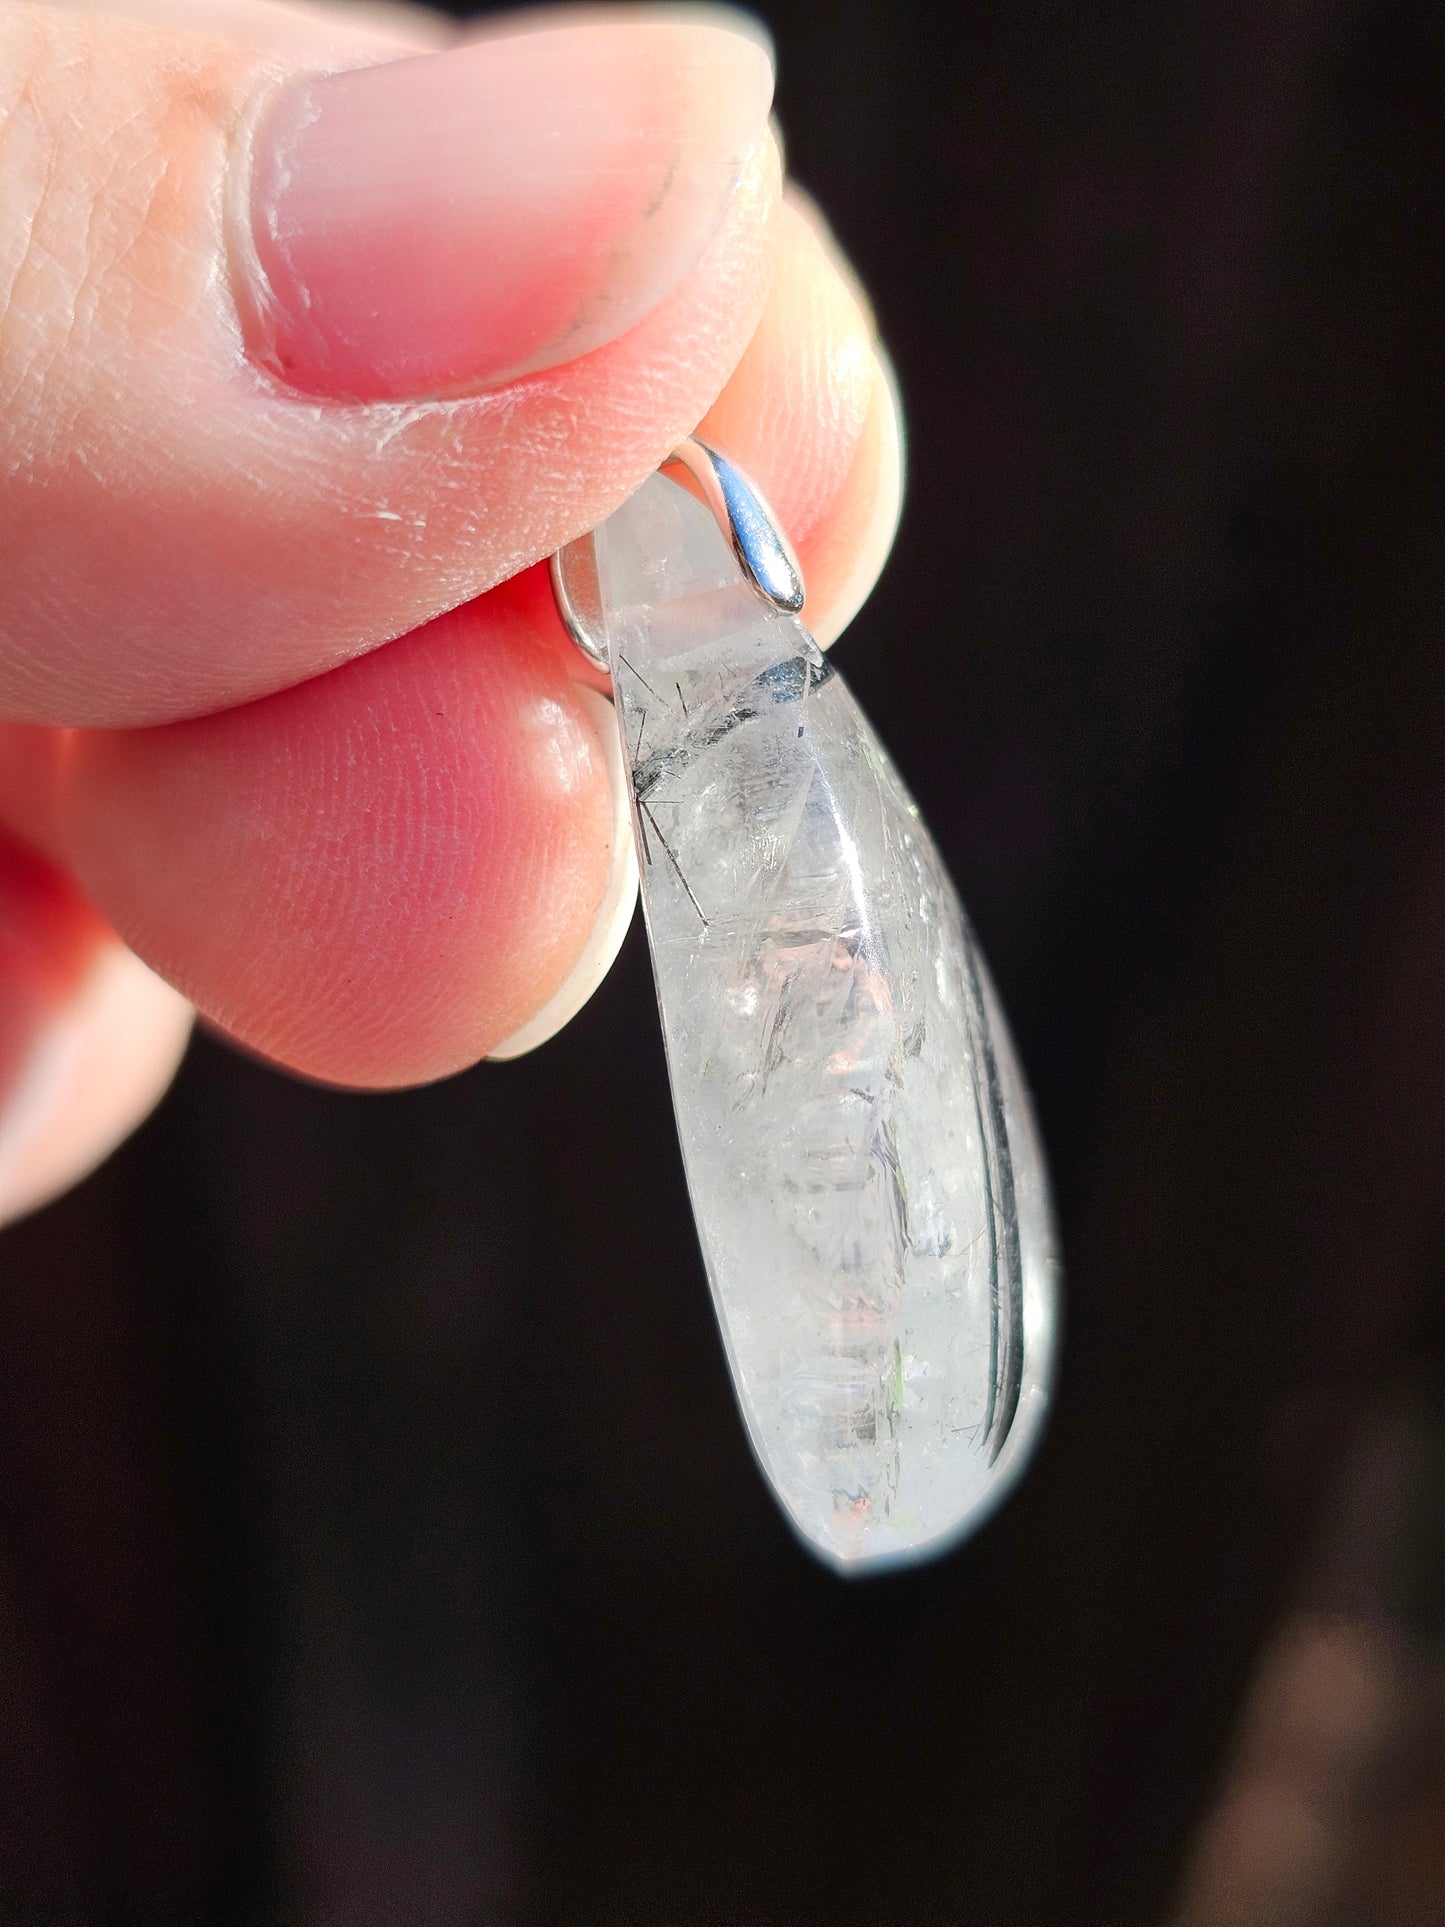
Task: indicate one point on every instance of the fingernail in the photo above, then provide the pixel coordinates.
(614, 914)
(449, 222)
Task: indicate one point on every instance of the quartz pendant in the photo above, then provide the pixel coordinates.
(870, 1195)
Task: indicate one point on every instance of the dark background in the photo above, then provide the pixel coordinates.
(378, 1543)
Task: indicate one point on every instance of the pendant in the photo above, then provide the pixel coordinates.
(866, 1176)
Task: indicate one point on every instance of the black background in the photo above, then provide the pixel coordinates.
(378, 1542)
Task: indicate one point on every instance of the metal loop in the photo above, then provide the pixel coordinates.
(741, 513)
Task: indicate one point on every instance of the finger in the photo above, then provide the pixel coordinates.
(379, 875)
(234, 858)
(811, 413)
(89, 1038)
(851, 545)
(224, 465)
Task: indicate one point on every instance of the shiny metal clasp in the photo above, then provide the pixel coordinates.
(741, 513)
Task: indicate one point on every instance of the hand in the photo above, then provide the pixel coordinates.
(310, 354)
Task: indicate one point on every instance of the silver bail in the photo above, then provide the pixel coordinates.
(742, 514)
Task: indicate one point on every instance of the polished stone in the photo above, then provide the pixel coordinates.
(870, 1195)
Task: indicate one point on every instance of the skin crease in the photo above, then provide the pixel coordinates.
(375, 876)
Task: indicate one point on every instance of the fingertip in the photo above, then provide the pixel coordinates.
(377, 876)
(613, 916)
(849, 551)
(224, 539)
(797, 401)
(821, 228)
(812, 413)
(89, 1038)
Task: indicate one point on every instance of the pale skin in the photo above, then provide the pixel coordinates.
(290, 733)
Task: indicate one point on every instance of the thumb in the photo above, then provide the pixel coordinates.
(293, 360)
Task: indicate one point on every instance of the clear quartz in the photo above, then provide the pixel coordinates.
(870, 1195)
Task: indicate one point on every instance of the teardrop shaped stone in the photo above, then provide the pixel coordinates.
(870, 1195)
